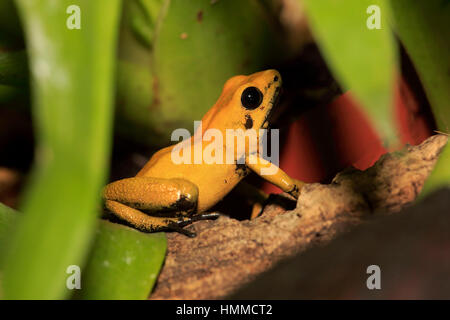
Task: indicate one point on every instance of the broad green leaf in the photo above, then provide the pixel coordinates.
(424, 29)
(362, 59)
(72, 77)
(123, 264)
(133, 90)
(197, 46)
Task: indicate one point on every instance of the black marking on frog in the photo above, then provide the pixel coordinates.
(185, 204)
(241, 170)
(293, 191)
(248, 122)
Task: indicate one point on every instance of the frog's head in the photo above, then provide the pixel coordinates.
(246, 102)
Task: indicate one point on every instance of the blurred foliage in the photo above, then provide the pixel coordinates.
(7, 218)
(123, 264)
(13, 64)
(11, 31)
(72, 106)
(8, 93)
(427, 43)
(361, 59)
(143, 18)
(13, 68)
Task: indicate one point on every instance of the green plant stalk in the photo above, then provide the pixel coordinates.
(72, 73)
(424, 29)
(363, 60)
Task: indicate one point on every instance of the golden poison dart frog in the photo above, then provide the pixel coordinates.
(168, 195)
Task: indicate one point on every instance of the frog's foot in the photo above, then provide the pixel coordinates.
(178, 226)
(283, 202)
(205, 216)
(175, 226)
(149, 223)
(276, 176)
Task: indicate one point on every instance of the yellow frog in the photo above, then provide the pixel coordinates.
(165, 195)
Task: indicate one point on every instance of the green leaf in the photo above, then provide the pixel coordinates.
(72, 73)
(133, 91)
(424, 29)
(143, 17)
(123, 264)
(8, 217)
(362, 59)
(440, 176)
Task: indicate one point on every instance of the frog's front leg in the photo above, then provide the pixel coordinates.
(270, 172)
(178, 197)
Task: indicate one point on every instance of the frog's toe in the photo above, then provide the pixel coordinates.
(178, 227)
(205, 216)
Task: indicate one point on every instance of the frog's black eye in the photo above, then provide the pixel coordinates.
(251, 98)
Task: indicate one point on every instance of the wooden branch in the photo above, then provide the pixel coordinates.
(227, 254)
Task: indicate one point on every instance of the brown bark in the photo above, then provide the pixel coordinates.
(411, 250)
(227, 254)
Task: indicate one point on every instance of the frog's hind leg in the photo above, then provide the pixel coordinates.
(126, 198)
(144, 222)
(140, 220)
(176, 196)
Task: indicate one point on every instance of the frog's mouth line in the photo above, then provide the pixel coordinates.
(273, 102)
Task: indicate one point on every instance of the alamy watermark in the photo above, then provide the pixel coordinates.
(74, 20)
(74, 280)
(374, 280)
(374, 20)
(212, 147)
